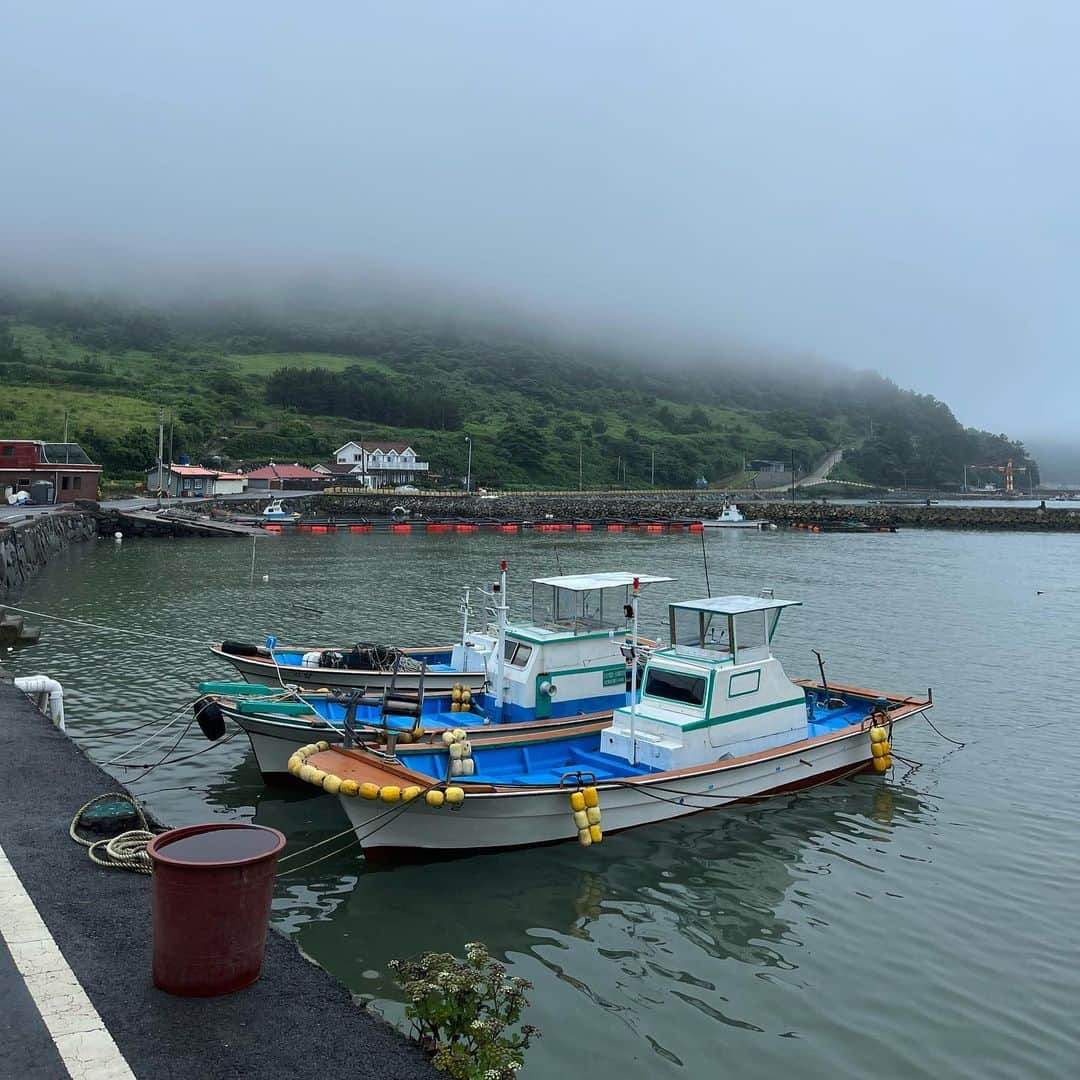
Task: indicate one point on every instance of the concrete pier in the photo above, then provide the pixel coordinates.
(75, 950)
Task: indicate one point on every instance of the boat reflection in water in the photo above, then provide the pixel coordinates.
(719, 879)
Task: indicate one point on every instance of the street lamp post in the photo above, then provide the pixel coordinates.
(468, 467)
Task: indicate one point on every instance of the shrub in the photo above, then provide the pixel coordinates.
(463, 1012)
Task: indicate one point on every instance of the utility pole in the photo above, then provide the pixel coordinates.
(67, 450)
(160, 449)
(468, 467)
(580, 462)
(652, 469)
(793, 474)
(172, 427)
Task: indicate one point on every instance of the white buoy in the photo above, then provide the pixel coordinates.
(118, 536)
(266, 577)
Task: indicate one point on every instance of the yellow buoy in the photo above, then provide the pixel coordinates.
(878, 733)
(405, 737)
(878, 749)
(584, 839)
(592, 796)
(581, 819)
(595, 834)
(447, 737)
(881, 764)
(455, 795)
(390, 793)
(459, 734)
(468, 767)
(456, 753)
(306, 751)
(577, 800)
(410, 793)
(466, 695)
(888, 761)
(294, 763)
(322, 744)
(455, 706)
(369, 790)
(455, 694)
(455, 766)
(434, 798)
(349, 787)
(306, 773)
(331, 784)
(317, 776)
(592, 813)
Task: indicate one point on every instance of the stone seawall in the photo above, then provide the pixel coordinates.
(639, 505)
(28, 543)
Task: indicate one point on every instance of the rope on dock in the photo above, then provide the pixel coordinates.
(126, 851)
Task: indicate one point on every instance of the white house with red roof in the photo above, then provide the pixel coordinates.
(181, 480)
(376, 464)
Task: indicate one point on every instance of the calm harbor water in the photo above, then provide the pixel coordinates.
(920, 925)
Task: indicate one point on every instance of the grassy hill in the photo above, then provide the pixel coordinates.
(250, 385)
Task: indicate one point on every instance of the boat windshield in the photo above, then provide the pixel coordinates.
(580, 610)
(704, 631)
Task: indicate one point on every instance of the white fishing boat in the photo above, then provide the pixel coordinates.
(731, 517)
(567, 669)
(275, 511)
(718, 722)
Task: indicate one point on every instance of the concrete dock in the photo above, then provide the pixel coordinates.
(75, 951)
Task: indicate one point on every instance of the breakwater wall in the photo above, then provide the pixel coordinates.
(638, 505)
(27, 544)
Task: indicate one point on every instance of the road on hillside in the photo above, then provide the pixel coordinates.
(813, 477)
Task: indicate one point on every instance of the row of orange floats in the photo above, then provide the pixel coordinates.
(470, 527)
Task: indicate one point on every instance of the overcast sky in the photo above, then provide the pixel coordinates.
(891, 186)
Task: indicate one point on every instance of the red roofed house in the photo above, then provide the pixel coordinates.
(25, 462)
(278, 477)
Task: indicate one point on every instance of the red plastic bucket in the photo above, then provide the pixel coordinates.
(211, 895)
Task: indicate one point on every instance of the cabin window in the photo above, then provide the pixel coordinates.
(9, 451)
(750, 630)
(517, 654)
(675, 686)
(698, 629)
(65, 483)
(745, 682)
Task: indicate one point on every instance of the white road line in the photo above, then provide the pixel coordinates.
(82, 1040)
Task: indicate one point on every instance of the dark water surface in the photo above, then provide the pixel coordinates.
(922, 925)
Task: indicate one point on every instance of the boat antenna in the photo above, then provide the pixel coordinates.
(705, 560)
(821, 668)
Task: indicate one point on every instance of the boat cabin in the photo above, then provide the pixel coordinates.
(569, 659)
(717, 691)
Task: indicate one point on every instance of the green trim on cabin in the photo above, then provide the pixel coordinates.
(738, 675)
(715, 721)
(584, 670)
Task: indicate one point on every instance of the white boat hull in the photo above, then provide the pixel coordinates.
(507, 819)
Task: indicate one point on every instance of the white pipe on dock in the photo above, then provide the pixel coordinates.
(47, 694)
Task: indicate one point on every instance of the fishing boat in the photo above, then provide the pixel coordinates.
(718, 722)
(731, 517)
(566, 670)
(274, 511)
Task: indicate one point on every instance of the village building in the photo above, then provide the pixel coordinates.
(230, 484)
(274, 477)
(378, 464)
(48, 472)
(177, 481)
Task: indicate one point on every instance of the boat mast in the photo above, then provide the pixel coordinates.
(465, 615)
(633, 670)
(500, 665)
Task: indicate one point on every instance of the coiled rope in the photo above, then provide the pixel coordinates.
(126, 851)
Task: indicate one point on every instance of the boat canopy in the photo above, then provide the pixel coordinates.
(726, 627)
(582, 603)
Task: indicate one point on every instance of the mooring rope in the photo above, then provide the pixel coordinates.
(156, 635)
(126, 851)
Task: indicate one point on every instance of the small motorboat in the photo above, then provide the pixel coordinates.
(274, 511)
(571, 667)
(731, 517)
(718, 722)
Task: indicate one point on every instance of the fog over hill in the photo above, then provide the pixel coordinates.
(886, 188)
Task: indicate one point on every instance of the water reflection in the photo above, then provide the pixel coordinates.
(719, 881)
